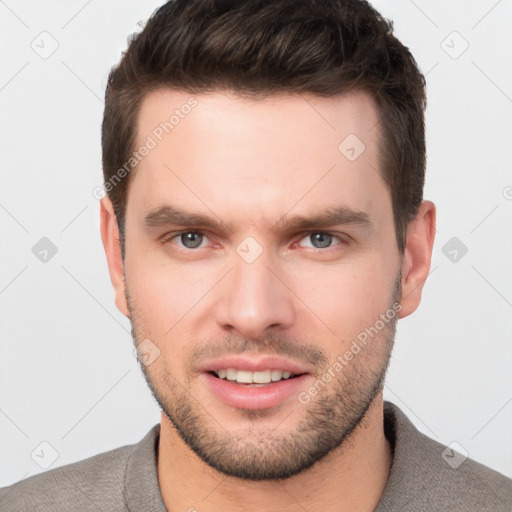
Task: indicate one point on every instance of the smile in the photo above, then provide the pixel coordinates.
(259, 377)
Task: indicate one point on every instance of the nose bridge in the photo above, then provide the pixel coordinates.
(252, 298)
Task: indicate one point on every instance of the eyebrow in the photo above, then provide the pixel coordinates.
(340, 215)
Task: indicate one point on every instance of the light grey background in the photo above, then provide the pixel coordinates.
(68, 376)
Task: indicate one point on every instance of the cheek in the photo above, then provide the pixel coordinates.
(345, 298)
(161, 302)
(167, 298)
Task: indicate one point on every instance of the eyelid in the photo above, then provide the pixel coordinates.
(343, 238)
(168, 237)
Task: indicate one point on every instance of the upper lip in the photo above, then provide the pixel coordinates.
(254, 363)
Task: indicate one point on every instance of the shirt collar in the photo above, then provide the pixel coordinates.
(141, 489)
(408, 477)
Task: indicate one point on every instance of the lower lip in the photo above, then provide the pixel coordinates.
(250, 397)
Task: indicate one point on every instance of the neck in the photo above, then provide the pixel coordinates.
(351, 477)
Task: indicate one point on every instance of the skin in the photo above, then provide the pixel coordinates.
(249, 163)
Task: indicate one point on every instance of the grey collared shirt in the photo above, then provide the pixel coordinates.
(424, 477)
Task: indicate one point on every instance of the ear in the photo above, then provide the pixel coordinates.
(111, 244)
(417, 256)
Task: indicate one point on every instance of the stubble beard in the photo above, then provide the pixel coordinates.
(329, 420)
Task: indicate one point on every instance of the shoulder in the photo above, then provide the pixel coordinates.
(427, 475)
(95, 483)
(86, 483)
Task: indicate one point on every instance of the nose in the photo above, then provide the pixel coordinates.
(254, 298)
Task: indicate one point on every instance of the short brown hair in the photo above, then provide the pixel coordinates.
(259, 47)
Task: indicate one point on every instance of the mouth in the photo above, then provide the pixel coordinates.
(261, 378)
(252, 381)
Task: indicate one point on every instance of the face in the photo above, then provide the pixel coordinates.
(262, 272)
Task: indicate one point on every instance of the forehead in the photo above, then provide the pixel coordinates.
(299, 116)
(257, 157)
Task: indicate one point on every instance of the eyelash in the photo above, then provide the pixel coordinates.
(172, 236)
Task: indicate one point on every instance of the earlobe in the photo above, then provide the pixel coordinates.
(110, 238)
(417, 257)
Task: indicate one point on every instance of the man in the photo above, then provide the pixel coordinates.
(264, 229)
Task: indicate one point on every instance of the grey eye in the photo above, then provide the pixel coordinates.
(320, 240)
(191, 240)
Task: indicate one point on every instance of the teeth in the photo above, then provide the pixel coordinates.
(247, 377)
(263, 377)
(243, 377)
(276, 375)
